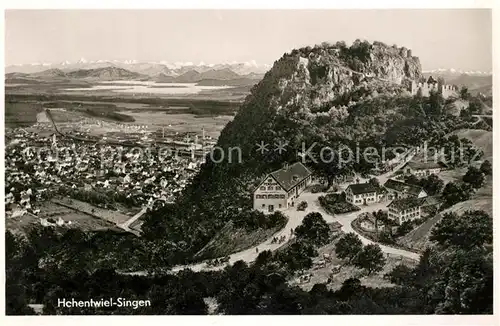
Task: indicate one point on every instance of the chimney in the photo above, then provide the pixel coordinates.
(285, 166)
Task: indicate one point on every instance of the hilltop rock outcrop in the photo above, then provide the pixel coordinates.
(320, 81)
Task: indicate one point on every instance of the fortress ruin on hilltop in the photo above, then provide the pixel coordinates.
(431, 85)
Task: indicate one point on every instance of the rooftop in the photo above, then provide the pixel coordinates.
(289, 176)
(362, 188)
(419, 165)
(407, 203)
(403, 187)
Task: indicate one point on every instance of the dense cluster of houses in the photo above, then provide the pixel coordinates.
(37, 167)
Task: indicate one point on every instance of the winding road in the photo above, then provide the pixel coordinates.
(126, 225)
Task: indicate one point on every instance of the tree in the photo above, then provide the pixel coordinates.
(371, 258)
(486, 168)
(349, 246)
(466, 287)
(474, 177)
(314, 229)
(297, 256)
(374, 182)
(464, 93)
(263, 258)
(412, 180)
(436, 101)
(351, 287)
(472, 229)
(380, 216)
(432, 185)
(454, 193)
(404, 228)
(475, 106)
(465, 114)
(401, 275)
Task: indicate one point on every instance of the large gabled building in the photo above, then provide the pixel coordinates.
(410, 208)
(398, 190)
(406, 209)
(281, 188)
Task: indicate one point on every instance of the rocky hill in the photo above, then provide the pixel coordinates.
(313, 84)
(331, 95)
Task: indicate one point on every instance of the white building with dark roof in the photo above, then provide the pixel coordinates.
(410, 208)
(362, 194)
(422, 169)
(398, 190)
(281, 188)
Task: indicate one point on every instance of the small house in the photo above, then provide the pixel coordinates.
(361, 193)
(398, 190)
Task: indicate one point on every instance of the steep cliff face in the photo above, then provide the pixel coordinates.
(320, 81)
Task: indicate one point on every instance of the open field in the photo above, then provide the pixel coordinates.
(453, 175)
(21, 114)
(84, 222)
(114, 217)
(181, 123)
(174, 115)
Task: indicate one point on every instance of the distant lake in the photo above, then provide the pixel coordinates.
(133, 86)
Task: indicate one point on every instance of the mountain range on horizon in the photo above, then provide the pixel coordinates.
(178, 68)
(147, 68)
(211, 77)
(225, 74)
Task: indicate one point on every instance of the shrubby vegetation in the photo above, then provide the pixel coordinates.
(474, 177)
(455, 279)
(432, 185)
(313, 229)
(455, 192)
(473, 229)
(336, 204)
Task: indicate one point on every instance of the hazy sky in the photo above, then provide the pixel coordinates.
(442, 38)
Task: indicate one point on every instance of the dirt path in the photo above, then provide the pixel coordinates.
(126, 225)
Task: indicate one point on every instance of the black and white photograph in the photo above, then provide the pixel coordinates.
(248, 161)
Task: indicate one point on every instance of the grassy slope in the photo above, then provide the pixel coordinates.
(480, 138)
(231, 239)
(481, 200)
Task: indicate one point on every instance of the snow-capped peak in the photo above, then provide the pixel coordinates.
(453, 71)
(239, 67)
